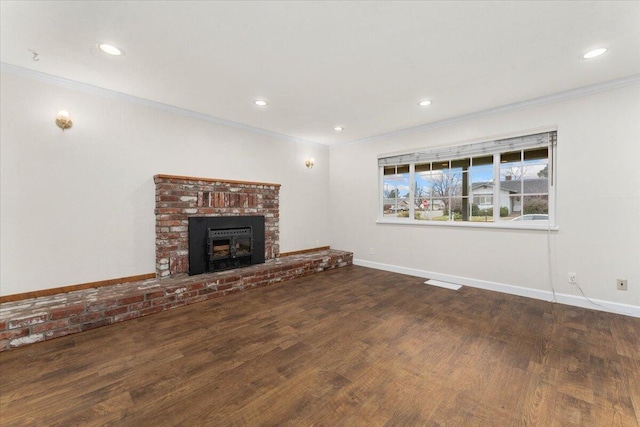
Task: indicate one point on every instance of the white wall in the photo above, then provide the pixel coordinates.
(78, 206)
(598, 202)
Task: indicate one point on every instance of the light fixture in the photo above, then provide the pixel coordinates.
(338, 128)
(594, 53)
(110, 49)
(261, 102)
(424, 103)
(309, 163)
(63, 120)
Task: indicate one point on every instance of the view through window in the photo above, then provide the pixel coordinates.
(493, 181)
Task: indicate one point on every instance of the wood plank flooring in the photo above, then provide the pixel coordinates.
(348, 347)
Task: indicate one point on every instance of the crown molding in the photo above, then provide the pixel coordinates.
(107, 93)
(534, 102)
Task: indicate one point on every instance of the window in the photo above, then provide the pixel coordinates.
(487, 182)
(396, 191)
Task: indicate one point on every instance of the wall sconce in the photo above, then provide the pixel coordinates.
(63, 120)
(309, 163)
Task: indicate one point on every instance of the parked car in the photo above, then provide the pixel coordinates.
(532, 217)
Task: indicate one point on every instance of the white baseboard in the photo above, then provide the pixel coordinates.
(573, 300)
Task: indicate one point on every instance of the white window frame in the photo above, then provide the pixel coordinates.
(541, 138)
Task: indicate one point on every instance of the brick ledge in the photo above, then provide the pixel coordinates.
(38, 319)
(223, 181)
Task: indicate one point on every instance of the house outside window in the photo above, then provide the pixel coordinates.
(500, 182)
(396, 191)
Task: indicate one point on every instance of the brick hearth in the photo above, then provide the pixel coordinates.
(39, 319)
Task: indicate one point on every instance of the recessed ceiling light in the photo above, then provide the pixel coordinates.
(424, 103)
(338, 128)
(594, 53)
(260, 102)
(110, 49)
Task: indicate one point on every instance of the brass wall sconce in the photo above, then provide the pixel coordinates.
(63, 120)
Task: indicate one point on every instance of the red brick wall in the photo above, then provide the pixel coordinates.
(178, 198)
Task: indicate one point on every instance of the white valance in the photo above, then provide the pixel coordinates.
(470, 150)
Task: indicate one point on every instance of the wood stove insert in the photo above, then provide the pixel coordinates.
(223, 243)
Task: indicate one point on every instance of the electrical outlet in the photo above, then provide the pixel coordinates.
(573, 278)
(370, 251)
(621, 284)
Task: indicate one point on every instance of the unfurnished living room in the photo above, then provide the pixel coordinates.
(319, 213)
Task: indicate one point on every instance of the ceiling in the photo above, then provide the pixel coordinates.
(361, 65)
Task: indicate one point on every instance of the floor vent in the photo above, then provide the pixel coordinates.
(442, 284)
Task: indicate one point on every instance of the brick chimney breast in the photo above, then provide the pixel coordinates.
(179, 197)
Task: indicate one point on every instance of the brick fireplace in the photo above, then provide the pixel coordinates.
(80, 308)
(178, 198)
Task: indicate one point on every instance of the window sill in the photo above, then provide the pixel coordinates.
(503, 225)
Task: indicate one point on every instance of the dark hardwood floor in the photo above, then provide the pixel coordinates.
(348, 347)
